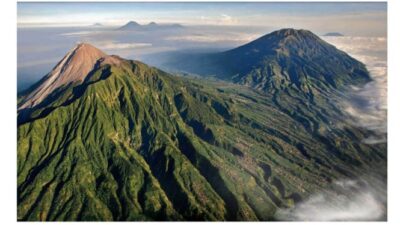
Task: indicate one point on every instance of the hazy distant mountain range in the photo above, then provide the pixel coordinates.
(105, 138)
(334, 34)
(132, 26)
(97, 25)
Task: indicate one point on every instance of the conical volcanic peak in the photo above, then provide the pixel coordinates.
(152, 24)
(73, 68)
(289, 58)
(284, 39)
(294, 35)
(78, 63)
(87, 48)
(290, 33)
(130, 25)
(286, 32)
(292, 56)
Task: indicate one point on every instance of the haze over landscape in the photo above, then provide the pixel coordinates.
(46, 31)
(157, 111)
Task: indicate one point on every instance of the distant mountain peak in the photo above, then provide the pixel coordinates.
(301, 54)
(290, 33)
(130, 25)
(73, 68)
(133, 23)
(152, 24)
(334, 34)
(294, 59)
(134, 26)
(282, 41)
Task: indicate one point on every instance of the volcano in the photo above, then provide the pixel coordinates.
(102, 138)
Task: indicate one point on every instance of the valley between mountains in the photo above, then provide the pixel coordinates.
(102, 138)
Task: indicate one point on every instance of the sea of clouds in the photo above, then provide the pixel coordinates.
(344, 200)
(368, 104)
(365, 198)
(39, 49)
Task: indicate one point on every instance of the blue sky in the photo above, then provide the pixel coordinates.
(365, 15)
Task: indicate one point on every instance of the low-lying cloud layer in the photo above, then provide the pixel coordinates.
(368, 104)
(345, 200)
(135, 44)
(239, 37)
(355, 200)
(111, 45)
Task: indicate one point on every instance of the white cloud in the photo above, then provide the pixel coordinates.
(223, 19)
(368, 105)
(355, 200)
(212, 37)
(79, 33)
(345, 200)
(32, 63)
(372, 140)
(129, 50)
(110, 45)
(116, 46)
(228, 20)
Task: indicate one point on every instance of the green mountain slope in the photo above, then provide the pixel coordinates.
(286, 59)
(304, 76)
(131, 142)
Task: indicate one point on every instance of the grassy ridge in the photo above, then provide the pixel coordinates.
(135, 143)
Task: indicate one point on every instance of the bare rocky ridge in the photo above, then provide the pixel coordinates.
(73, 68)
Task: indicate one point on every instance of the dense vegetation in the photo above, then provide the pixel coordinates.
(134, 143)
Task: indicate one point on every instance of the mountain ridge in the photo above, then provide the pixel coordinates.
(333, 34)
(280, 59)
(73, 68)
(134, 26)
(134, 143)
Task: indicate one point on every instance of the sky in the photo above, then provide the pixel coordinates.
(46, 31)
(360, 18)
